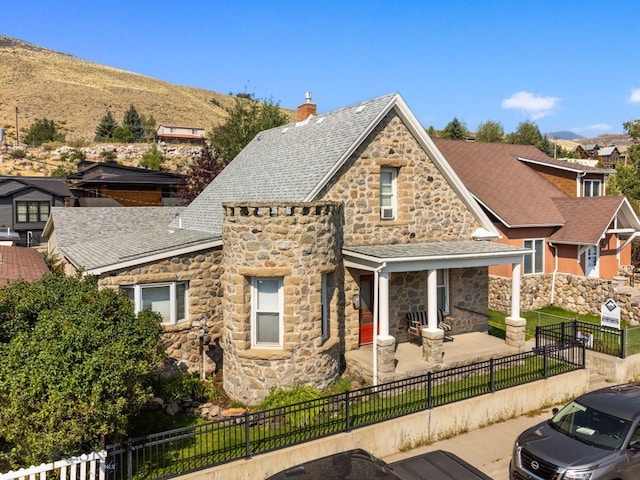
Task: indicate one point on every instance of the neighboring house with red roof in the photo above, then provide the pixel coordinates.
(318, 232)
(21, 263)
(180, 134)
(556, 208)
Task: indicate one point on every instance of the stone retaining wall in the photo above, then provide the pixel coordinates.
(572, 292)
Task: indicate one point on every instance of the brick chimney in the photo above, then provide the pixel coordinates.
(306, 109)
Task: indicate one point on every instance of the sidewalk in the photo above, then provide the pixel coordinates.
(488, 449)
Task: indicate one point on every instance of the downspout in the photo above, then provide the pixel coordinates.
(579, 183)
(376, 321)
(555, 270)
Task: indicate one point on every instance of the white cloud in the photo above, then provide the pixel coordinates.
(534, 105)
(635, 96)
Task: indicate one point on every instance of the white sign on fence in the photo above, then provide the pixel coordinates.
(610, 314)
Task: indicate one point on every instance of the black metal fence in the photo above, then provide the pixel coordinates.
(598, 338)
(185, 450)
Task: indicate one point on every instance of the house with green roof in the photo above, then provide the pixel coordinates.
(315, 241)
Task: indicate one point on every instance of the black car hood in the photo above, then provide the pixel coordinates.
(549, 444)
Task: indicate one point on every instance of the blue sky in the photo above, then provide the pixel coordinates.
(566, 65)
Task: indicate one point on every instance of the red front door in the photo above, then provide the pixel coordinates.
(366, 309)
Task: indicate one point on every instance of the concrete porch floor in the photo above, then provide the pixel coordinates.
(466, 348)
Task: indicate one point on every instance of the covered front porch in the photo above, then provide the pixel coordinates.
(409, 362)
(408, 278)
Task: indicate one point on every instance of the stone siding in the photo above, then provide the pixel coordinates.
(468, 288)
(429, 209)
(572, 292)
(203, 271)
(298, 243)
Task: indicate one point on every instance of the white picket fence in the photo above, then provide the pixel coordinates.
(85, 467)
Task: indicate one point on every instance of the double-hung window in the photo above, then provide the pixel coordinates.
(534, 262)
(591, 188)
(266, 312)
(32, 212)
(388, 193)
(168, 299)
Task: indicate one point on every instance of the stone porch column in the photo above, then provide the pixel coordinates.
(386, 358)
(432, 336)
(432, 346)
(514, 324)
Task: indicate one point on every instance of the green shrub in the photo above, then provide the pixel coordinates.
(179, 386)
(18, 153)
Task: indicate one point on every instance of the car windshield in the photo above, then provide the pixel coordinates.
(591, 426)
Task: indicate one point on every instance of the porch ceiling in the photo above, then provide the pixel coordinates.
(432, 255)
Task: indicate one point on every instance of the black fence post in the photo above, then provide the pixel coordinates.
(491, 375)
(347, 416)
(623, 342)
(129, 460)
(537, 336)
(429, 391)
(545, 351)
(247, 436)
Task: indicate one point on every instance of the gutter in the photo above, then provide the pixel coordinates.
(555, 271)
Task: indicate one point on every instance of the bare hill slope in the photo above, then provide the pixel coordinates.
(76, 93)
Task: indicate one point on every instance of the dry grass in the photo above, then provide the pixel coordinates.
(76, 93)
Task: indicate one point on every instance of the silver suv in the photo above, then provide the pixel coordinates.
(594, 437)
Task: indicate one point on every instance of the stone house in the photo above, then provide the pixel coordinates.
(316, 240)
(557, 209)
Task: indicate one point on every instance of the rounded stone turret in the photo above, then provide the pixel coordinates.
(296, 249)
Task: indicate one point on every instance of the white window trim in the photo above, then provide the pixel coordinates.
(254, 329)
(592, 183)
(444, 285)
(173, 297)
(533, 256)
(390, 212)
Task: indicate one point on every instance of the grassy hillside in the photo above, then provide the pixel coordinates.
(76, 93)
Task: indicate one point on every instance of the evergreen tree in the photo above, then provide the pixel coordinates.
(133, 121)
(455, 130)
(41, 131)
(106, 127)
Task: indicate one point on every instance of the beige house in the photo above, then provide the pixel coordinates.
(315, 241)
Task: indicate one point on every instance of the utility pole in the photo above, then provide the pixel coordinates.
(17, 131)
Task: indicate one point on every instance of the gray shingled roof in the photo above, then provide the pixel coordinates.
(285, 164)
(97, 237)
(449, 250)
